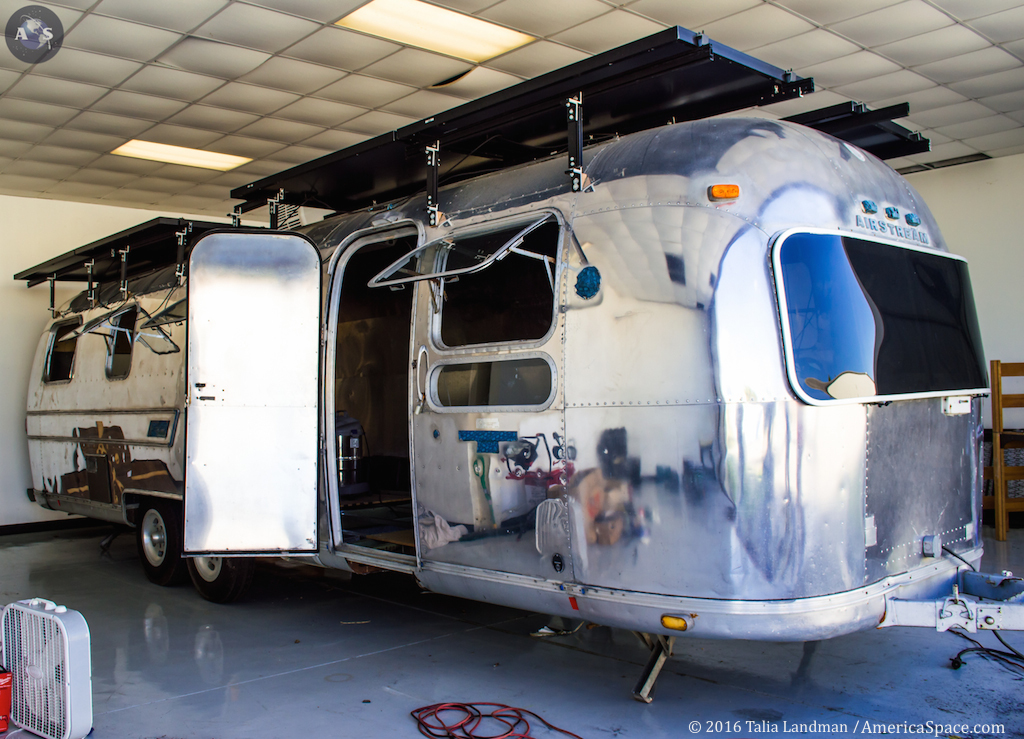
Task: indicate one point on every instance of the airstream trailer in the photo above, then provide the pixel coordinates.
(727, 383)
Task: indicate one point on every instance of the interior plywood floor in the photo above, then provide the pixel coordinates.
(310, 653)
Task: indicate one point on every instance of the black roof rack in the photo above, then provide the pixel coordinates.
(151, 245)
(871, 130)
(674, 75)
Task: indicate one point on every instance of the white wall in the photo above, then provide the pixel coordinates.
(980, 207)
(32, 231)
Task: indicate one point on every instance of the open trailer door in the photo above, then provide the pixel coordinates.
(252, 390)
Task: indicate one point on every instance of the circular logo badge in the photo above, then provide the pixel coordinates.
(34, 34)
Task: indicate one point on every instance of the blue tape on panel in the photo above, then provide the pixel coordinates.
(487, 441)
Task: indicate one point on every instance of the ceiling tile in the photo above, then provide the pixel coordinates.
(196, 138)
(690, 14)
(60, 155)
(119, 38)
(188, 174)
(231, 180)
(950, 114)
(1017, 115)
(10, 148)
(293, 75)
(85, 140)
(250, 98)
(1000, 27)
(258, 169)
(84, 66)
(171, 83)
(213, 119)
(1007, 102)
(126, 165)
(890, 24)
(992, 84)
(422, 104)
(40, 169)
(336, 47)
(318, 10)
(256, 28)
(4, 161)
(933, 46)
(213, 57)
(335, 140)
(758, 26)
(162, 184)
(933, 136)
(58, 92)
(466, 6)
(481, 81)
(886, 86)
(377, 122)
(944, 151)
(277, 130)
(32, 112)
(1015, 47)
(208, 191)
(321, 112)
(933, 97)
(134, 105)
(831, 11)
(134, 196)
(967, 66)
(369, 92)
(179, 15)
(189, 204)
(979, 127)
(417, 68)
(536, 59)
(244, 146)
(847, 69)
(19, 184)
(95, 176)
(7, 78)
(805, 50)
(543, 17)
(607, 31)
(1000, 140)
(1007, 152)
(293, 155)
(79, 190)
(967, 9)
(30, 132)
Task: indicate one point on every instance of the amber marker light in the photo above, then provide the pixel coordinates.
(676, 623)
(431, 27)
(180, 155)
(724, 192)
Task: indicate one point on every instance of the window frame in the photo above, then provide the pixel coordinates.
(52, 343)
(775, 250)
(436, 368)
(112, 343)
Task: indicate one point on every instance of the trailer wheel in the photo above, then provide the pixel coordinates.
(221, 579)
(158, 538)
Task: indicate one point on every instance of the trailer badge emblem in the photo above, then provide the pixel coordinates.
(588, 282)
(34, 34)
(558, 563)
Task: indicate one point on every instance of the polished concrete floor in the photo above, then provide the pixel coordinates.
(310, 654)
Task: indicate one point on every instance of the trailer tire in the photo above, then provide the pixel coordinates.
(221, 579)
(158, 538)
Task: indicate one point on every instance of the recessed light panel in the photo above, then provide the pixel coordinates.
(180, 155)
(437, 29)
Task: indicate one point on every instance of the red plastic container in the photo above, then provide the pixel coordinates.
(5, 699)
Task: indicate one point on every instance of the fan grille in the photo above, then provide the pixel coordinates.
(35, 649)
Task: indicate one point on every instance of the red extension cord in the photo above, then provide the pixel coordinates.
(462, 720)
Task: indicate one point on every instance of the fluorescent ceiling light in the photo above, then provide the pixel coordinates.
(429, 27)
(180, 155)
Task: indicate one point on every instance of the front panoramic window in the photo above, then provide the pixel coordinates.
(522, 381)
(60, 357)
(864, 319)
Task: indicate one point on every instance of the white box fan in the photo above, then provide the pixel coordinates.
(46, 650)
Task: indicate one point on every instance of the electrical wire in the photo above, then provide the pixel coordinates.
(463, 720)
(951, 553)
(1013, 658)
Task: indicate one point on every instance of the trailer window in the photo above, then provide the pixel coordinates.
(512, 300)
(867, 320)
(119, 344)
(174, 313)
(60, 357)
(517, 382)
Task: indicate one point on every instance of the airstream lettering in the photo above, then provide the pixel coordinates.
(632, 402)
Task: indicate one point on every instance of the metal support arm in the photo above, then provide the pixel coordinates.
(987, 603)
(661, 650)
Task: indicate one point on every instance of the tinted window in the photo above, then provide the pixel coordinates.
(60, 359)
(511, 300)
(119, 344)
(512, 382)
(868, 319)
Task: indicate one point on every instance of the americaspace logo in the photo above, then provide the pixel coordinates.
(34, 34)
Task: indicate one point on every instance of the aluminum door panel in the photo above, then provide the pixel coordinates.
(253, 379)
